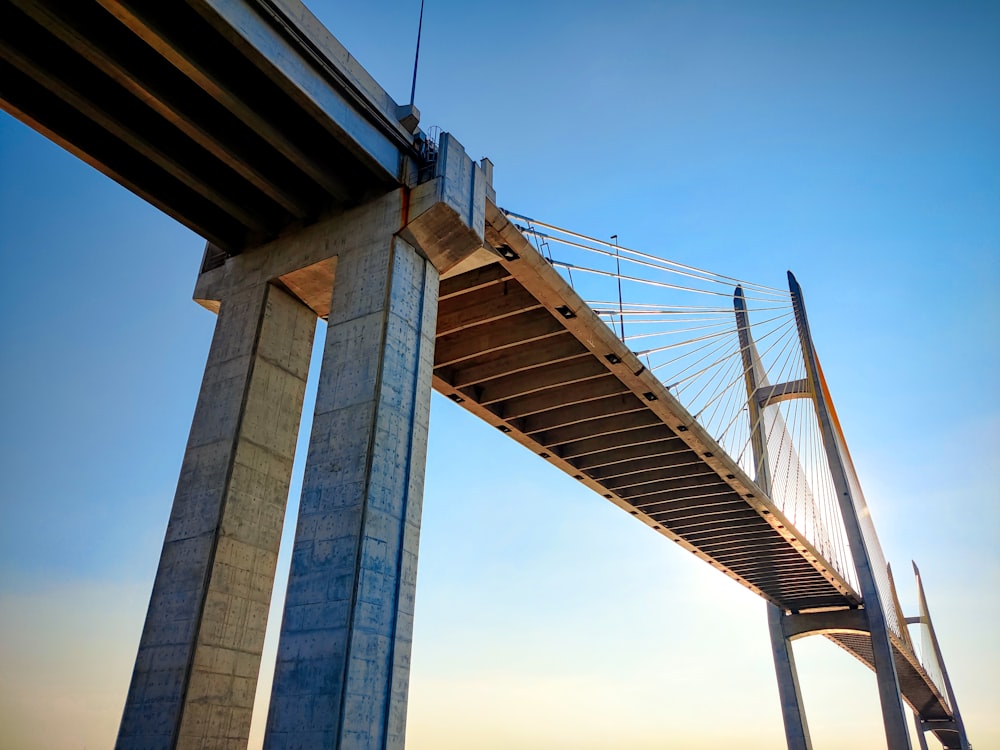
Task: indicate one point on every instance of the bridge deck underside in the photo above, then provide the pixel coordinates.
(508, 350)
(166, 99)
(914, 683)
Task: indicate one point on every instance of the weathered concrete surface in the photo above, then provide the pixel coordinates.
(343, 660)
(310, 246)
(446, 216)
(199, 656)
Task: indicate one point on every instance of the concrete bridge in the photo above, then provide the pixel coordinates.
(321, 198)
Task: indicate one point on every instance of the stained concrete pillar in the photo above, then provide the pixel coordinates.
(343, 660)
(199, 655)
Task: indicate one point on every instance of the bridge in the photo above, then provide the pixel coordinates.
(319, 196)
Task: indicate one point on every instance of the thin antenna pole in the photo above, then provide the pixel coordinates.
(618, 271)
(416, 57)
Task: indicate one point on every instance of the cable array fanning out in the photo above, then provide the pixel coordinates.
(730, 352)
(733, 355)
(681, 322)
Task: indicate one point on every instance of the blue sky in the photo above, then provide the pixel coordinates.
(857, 144)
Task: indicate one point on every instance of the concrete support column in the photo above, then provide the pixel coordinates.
(199, 655)
(343, 661)
(792, 709)
(919, 726)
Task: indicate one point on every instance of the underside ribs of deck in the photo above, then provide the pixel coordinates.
(536, 363)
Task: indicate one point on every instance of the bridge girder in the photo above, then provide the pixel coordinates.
(230, 117)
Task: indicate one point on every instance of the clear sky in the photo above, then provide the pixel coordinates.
(856, 143)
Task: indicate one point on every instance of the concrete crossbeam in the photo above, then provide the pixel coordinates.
(199, 656)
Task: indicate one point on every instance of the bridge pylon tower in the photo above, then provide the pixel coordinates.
(922, 726)
(789, 692)
(784, 625)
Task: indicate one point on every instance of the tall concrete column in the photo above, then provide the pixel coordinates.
(793, 711)
(199, 655)
(343, 661)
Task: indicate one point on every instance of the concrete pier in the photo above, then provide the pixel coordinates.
(199, 655)
(343, 666)
(343, 660)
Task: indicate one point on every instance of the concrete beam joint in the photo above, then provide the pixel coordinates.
(446, 220)
(364, 226)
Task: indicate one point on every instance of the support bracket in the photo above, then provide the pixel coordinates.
(818, 623)
(774, 394)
